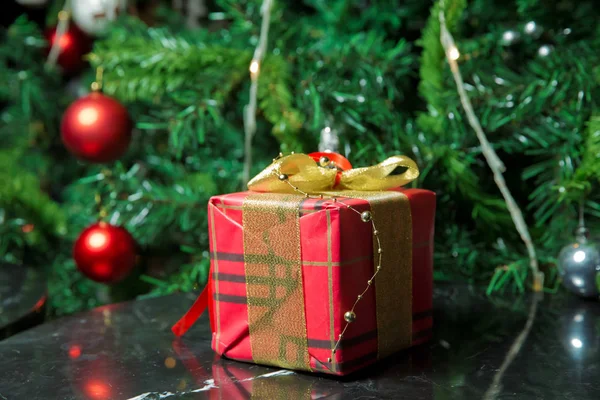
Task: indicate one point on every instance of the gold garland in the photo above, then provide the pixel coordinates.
(365, 216)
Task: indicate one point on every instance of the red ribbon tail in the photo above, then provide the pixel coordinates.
(190, 317)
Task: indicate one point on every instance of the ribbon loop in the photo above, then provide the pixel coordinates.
(377, 177)
(304, 173)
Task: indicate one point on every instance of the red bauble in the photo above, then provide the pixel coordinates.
(105, 253)
(96, 128)
(74, 44)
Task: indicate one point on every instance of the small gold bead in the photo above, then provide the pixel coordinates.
(350, 316)
(333, 351)
(378, 267)
(360, 296)
(306, 195)
(334, 200)
(283, 177)
(324, 161)
(375, 232)
(321, 196)
(379, 250)
(366, 216)
(329, 359)
(348, 206)
(340, 336)
(369, 282)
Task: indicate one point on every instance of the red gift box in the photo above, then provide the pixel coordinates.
(320, 267)
(337, 254)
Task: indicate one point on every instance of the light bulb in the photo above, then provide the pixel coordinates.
(530, 27)
(254, 68)
(453, 53)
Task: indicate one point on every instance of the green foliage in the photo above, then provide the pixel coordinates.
(587, 175)
(30, 221)
(533, 100)
(357, 68)
(20, 194)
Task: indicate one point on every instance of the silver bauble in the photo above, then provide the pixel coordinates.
(578, 265)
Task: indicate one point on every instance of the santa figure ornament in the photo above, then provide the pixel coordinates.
(93, 16)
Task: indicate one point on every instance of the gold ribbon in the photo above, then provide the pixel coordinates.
(273, 265)
(304, 173)
(273, 269)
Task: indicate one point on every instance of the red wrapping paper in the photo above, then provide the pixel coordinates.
(352, 260)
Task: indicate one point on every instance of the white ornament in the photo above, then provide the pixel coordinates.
(32, 3)
(93, 16)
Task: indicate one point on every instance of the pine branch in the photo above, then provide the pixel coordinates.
(20, 195)
(587, 174)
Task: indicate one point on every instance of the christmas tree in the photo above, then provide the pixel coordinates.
(495, 101)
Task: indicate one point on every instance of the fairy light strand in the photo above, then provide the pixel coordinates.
(61, 29)
(490, 155)
(366, 216)
(250, 109)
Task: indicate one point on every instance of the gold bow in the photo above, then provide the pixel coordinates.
(304, 173)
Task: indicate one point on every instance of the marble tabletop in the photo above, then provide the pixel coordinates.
(22, 298)
(500, 348)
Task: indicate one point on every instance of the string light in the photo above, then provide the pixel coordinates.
(510, 37)
(453, 53)
(544, 50)
(492, 159)
(250, 109)
(530, 27)
(254, 69)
